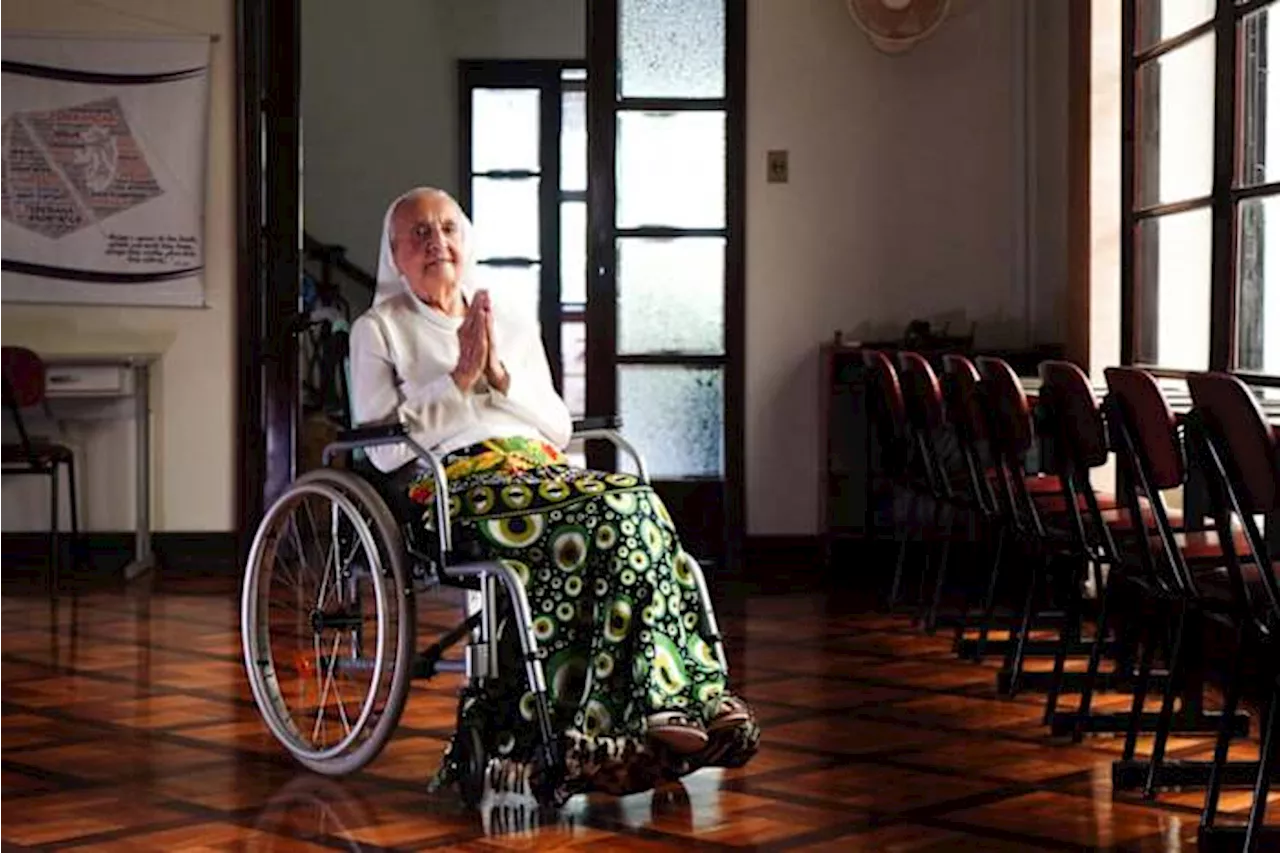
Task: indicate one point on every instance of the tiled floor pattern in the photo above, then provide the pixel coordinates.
(128, 725)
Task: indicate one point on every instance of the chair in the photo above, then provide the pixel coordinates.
(1237, 449)
(907, 472)
(958, 487)
(24, 388)
(1177, 572)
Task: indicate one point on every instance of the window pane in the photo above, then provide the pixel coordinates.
(504, 129)
(671, 295)
(1258, 286)
(1159, 20)
(573, 141)
(573, 353)
(671, 169)
(515, 288)
(674, 416)
(671, 48)
(1259, 39)
(1175, 124)
(505, 217)
(1172, 298)
(573, 251)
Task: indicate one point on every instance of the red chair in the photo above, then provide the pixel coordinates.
(1237, 449)
(24, 388)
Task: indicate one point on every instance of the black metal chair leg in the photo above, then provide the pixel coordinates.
(1266, 766)
(905, 531)
(1019, 651)
(931, 616)
(55, 551)
(989, 603)
(1069, 633)
(77, 551)
(1147, 641)
(1165, 719)
(1230, 699)
(1095, 657)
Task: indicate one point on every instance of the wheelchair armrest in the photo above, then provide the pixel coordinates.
(372, 434)
(606, 428)
(610, 422)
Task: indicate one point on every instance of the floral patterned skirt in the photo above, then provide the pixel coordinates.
(616, 611)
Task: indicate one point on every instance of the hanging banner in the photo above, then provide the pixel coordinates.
(104, 169)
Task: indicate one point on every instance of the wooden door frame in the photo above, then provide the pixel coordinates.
(269, 253)
(602, 267)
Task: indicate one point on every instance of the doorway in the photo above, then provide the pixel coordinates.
(637, 273)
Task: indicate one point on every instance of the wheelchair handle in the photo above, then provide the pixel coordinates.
(618, 442)
(376, 436)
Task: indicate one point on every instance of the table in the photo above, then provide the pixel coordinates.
(85, 374)
(101, 375)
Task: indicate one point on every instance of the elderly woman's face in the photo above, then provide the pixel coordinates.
(426, 235)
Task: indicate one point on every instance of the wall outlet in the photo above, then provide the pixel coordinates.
(777, 167)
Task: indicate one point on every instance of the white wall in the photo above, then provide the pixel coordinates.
(905, 200)
(193, 417)
(379, 98)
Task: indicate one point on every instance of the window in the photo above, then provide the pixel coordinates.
(524, 185)
(1200, 181)
(1201, 177)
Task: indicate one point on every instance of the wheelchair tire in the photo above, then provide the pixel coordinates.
(376, 531)
(473, 765)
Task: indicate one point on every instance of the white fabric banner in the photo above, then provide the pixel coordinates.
(104, 169)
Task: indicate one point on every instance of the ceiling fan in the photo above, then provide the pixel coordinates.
(896, 26)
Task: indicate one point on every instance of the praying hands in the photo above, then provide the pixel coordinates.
(476, 353)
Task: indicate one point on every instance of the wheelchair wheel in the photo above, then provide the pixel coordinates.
(328, 626)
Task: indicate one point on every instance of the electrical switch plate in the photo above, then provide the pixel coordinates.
(777, 167)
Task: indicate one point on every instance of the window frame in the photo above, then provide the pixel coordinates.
(547, 76)
(1223, 201)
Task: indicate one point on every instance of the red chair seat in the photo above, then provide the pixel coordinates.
(1207, 544)
(1057, 504)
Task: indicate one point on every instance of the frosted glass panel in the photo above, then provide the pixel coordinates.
(505, 217)
(671, 48)
(514, 288)
(573, 141)
(671, 295)
(504, 129)
(675, 418)
(1258, 99)
(573, 251)
(573, 355)
(671, 169)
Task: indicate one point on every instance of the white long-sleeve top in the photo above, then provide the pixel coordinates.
(402, 352)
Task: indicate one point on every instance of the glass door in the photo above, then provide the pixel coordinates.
(664, 321)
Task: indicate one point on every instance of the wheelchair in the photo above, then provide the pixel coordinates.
(350, 571)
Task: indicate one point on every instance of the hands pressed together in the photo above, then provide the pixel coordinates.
(477, 355)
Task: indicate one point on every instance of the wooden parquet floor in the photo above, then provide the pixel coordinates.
(128, 725)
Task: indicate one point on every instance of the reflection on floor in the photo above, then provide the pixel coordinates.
(127, 725)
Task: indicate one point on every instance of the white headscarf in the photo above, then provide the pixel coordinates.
(391, 282)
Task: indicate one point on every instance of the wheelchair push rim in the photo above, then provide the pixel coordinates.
(320, 659)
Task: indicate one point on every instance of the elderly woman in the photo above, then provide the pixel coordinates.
(638, 693)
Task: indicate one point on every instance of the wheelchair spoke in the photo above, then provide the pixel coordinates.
(323, 621)
(328, 682)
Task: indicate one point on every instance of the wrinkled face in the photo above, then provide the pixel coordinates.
(426, 243)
